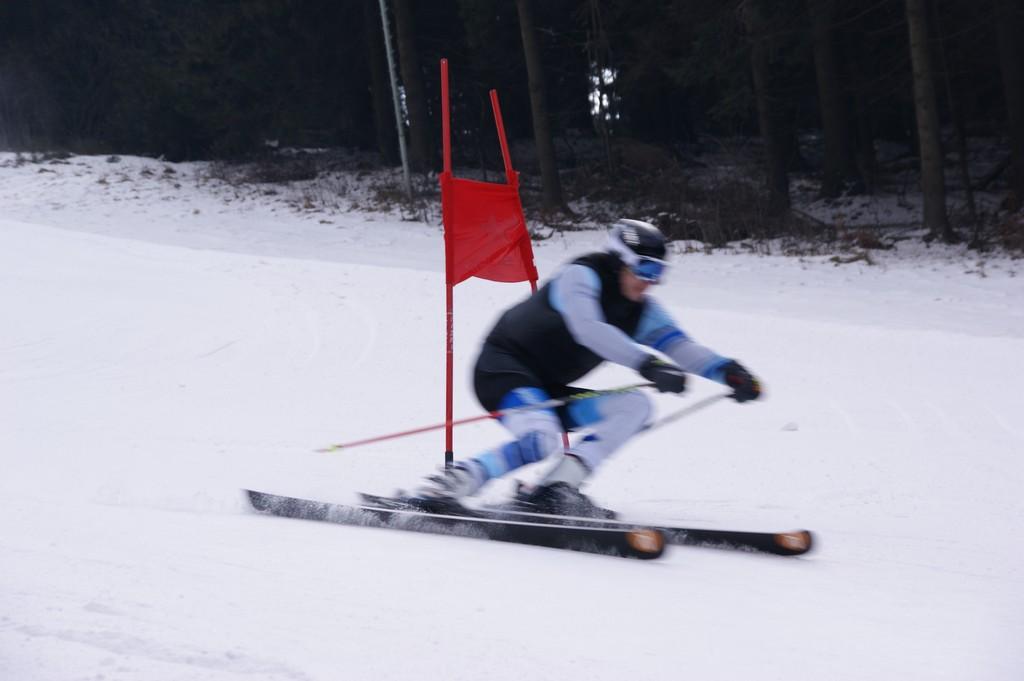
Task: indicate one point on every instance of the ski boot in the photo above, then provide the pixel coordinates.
(560, 498)
(441, 492)
(558, 493)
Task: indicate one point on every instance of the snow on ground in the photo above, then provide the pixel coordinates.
(169, 339)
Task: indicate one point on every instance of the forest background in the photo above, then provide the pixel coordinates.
(612, 106)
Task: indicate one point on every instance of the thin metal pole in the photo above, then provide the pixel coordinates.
(394, 98)
(684, 412)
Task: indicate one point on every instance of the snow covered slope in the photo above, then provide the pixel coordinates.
(163, 347)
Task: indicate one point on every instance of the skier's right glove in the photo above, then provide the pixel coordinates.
(667, 378)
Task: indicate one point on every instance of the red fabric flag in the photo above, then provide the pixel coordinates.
(485, 232)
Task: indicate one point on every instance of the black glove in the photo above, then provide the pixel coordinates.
(667, 378)
(744, 385)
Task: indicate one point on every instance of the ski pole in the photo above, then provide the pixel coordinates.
(547, 404)
(685, 411)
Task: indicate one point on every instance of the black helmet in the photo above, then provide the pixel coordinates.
(641, 246)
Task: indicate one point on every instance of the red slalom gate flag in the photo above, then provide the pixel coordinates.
(485, 233)
(484, 228)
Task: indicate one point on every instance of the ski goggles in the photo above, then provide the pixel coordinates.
(649, 269)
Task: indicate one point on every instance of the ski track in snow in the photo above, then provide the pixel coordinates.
(195, 663)
(168, 341)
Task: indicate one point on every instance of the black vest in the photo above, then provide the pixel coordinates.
(536, 333)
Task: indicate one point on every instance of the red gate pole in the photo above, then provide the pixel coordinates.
(446, 119)
(510, 175)
(447, 208)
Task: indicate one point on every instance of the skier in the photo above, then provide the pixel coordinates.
(595, 309)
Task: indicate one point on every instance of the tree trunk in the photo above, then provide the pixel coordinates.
(933, 182)
(772, 131)
(864, 157)
(380, 90)
(551, 185)
(838, 165)
(1009, 26)
(954, 98)
(599, 56)
(420, 149)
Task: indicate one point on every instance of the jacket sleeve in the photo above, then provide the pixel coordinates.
(658, 330)
(576, 295)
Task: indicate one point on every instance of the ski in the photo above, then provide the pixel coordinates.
(793, 543)
(626, 541)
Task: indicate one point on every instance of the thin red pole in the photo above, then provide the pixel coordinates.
(449, 450)
(549, 404)
(446, 118)
(447, 207)
(510, 174)
(411, 431)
